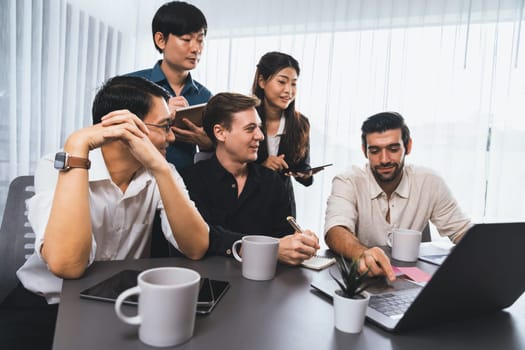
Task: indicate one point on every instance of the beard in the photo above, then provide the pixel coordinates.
(393, 176)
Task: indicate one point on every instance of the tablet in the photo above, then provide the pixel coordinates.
(211, 291)
(192, 113)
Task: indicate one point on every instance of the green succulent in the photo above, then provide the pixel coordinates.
(352, 282)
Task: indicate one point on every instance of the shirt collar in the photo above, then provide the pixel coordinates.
(375, 190)
(189, 84)
(219, 173)
(158, 76)
(99, 172)
(403, 188)
(216, 169)
(282, 124)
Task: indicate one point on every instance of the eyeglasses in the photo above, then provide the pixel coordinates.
(166, 127)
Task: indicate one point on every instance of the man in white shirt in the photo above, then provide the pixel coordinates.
(366, 204)
(100, 203)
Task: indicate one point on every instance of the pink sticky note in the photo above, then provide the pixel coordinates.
(397, 271)
(414, 273)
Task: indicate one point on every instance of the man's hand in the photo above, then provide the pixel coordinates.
(114, 126)
(300, 174)
(377, 263)
(177, 102)
(126, 127)
(275, 162)
(194, 134)
(295, 248)
(342, 241)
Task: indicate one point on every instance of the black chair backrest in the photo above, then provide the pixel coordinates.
(425, 235)
(16, 235)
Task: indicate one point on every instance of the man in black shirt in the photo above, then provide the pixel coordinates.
(235, 196)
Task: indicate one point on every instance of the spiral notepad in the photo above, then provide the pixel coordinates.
(318, 262)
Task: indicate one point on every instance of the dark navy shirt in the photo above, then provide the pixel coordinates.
(178, 153)
(261, 209)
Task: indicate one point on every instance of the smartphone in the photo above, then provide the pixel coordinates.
(314, 170)
(210, 292)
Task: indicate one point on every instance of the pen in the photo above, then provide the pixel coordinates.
(294, 224)
(296, 227)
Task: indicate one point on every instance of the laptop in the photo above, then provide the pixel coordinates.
(484, 273)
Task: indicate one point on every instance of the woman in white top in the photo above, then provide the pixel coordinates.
(287, 132)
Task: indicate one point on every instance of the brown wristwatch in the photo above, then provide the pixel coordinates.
(64, 161)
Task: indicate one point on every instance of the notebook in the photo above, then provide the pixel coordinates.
(483, 274)
(434, 253)
(317, 262)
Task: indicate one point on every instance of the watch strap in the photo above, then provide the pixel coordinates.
(78, 162)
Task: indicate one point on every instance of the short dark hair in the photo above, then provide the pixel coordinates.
(382, 122)
(220, 110)
(125, 92)
(177, 18)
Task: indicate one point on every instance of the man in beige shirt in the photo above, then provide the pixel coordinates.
(366, 204)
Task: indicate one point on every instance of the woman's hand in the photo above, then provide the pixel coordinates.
(275, 162)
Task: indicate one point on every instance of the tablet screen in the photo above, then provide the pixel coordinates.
(211, 291)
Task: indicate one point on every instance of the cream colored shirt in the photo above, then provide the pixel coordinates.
(359, 204)
(121, 222)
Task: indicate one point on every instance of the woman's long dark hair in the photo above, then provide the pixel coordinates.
(294, 142)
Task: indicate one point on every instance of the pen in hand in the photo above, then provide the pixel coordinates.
(296, 227)
(294, 224)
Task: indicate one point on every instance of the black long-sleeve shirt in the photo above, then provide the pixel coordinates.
(261, 209)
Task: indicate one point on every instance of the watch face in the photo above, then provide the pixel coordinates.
(60, 160)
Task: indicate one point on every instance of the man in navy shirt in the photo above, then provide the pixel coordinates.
(179, 30)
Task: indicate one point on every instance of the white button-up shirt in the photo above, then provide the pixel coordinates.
(359, 204)
(274, 140)
(121, 222)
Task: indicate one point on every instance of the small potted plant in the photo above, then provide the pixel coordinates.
(351, 301)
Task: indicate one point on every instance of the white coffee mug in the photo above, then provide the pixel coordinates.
(259, 256)
(167, 305)
(405, 244)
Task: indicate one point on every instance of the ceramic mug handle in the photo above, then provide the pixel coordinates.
(135, 320)
(389, 239)
(234, 250)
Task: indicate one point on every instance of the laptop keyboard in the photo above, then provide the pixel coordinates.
(393, 305)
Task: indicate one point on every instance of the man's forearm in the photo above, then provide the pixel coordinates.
(342, 241)
(187, 225)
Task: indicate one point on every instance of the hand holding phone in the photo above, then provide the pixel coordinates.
(305, 172)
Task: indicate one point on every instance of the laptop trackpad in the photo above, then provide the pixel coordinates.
(383, 286)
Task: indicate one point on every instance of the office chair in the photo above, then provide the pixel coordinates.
(425, 235)
(160, 247)
(16, 235)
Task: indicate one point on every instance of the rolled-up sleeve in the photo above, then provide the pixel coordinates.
(39, 206)
(447, 216)
(341, 207)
